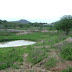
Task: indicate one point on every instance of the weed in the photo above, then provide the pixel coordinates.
(8, 58)
(10, 55)
(67, 70)
(66, 52)
(21, 63)
(15, 66)
(50, 63)
(36, 55)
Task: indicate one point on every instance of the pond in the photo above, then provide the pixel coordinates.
(16, 43)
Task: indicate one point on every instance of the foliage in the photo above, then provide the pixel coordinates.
(67, 70)
(66, 51)
(7, 33)
(13, 25)
(36, 55)
(50, 63)
(64, 24)
(8, 57)
(11, 57)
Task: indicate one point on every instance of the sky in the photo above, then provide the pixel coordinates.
(35, 10)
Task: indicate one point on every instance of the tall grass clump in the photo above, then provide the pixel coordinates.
(61, 38)
(37, 55)
(50, 63)
(66, 51)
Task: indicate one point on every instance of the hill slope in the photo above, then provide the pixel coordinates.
(21, 21)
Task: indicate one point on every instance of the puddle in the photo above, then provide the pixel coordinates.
(16, 43)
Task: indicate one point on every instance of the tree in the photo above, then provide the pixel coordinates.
(64, 24)
(4, 21)
(0, 21)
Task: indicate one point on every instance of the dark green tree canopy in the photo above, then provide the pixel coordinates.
(64, 24)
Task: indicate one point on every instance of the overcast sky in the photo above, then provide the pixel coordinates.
(35, 10)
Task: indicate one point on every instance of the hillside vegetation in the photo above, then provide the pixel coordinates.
(51, 53)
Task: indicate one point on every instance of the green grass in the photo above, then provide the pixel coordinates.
(37, 55)
(50, 63)
(66, 51)
(10, 55)
(67, 70)
(49, 38)
(7, 33)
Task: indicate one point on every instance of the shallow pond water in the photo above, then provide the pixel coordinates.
(16, 43)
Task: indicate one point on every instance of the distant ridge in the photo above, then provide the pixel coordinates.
(21, 21)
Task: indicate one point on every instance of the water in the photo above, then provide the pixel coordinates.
(16, 43)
